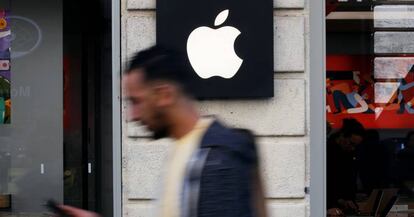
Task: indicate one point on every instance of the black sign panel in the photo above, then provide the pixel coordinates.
(228, 44)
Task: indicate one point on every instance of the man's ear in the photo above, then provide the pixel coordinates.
(166, 94)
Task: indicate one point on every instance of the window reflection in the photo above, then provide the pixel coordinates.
(31, 140)
(370, 107)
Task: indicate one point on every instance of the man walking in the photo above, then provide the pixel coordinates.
(213, 170)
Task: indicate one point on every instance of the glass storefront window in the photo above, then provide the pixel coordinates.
(370, 107)
(55, 106)
(31, 136)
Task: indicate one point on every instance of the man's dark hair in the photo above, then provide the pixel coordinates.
(163, 64)
(351, 126)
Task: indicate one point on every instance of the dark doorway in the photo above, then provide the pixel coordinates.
(88, 105)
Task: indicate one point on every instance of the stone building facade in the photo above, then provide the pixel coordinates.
(281, 124)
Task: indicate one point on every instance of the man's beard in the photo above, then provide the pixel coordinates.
(162, 131)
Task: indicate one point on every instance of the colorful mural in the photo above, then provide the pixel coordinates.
(378, 92)
(5, 68)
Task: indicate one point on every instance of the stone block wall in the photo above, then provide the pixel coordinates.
(280, 123)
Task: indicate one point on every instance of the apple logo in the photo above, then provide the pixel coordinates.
(211, 51)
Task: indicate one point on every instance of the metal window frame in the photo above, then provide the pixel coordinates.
(317, 108)
(116, 108)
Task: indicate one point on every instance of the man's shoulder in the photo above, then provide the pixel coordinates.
(220, 133)
(239, 142)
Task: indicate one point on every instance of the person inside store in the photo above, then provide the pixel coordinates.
(405, 165)
(213, 170)
(342, 168)
(372, 159)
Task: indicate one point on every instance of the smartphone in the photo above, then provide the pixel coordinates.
(53, 207)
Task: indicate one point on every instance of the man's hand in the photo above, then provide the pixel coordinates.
(75, 212)
(335, 212)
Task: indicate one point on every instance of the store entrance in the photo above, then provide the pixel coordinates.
(87, 116)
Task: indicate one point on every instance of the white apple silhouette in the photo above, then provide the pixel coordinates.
(211, 51)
